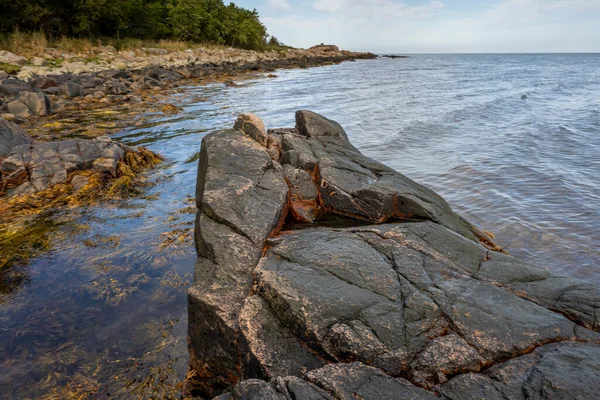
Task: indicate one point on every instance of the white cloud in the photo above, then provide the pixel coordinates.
(376, 10)
(279, 4)
(392, 26)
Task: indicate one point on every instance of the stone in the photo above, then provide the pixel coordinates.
(296, 285)
(567, 370)
(120, 64)
(235, 174)
(38, 103)
(6, 57)
(79, 182)
(252, 126)
(31, 167)
(12, 87)
(359, 381)
(45, 82)
(70, 89)
(115, 88)
(19, 109)
(38, 61)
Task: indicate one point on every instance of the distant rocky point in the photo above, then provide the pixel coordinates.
(324, 274)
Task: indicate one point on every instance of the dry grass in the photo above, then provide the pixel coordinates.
(35, 44)
(25, 44)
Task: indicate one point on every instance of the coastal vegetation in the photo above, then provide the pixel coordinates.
(132, 23)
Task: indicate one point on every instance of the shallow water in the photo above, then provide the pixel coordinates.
(107, 307)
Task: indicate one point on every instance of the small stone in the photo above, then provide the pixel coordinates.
(122, 65)
(19, 109)
(38, 103)
(252, 126)
(38, 61)
(79, 182)
(70, 89)
(6, 57)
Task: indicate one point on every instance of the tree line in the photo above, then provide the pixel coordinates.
(191, 20)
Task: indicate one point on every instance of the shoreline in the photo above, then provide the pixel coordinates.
(33, 184)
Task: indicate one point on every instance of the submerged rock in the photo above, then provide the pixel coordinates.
(333, 276)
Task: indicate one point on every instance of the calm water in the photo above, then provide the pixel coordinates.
(106, 309)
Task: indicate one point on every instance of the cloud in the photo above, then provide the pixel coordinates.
(376, 10)
(433, 26)
(279, 4)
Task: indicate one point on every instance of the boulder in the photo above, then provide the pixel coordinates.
(12, 87)
(114, 87)
(11, 135)
(6, 57)
(31, 167)
(331, 275)
(70, 89)
(19, 109)
(252, 126)
(38, 61)
(38, 103)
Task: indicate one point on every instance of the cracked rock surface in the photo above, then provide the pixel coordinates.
(28, 166)
(323, 274)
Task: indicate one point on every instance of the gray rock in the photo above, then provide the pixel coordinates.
(235, 175)
(115, 88)
(12, 87)
(7, 57)
(79, 182)
(567, 370)
(358, 381)
(19, 109)
(11, 135)
(38, 103)
(37, 166)
(252, 126)
(356, 307)
(70, 89)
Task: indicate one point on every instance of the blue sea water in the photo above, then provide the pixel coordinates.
(512, 141)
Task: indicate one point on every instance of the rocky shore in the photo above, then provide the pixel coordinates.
(57, 113)
(323, 274)
(106, 76)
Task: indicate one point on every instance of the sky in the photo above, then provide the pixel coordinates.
(435, 26)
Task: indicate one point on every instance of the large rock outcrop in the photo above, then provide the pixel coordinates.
(324, 274)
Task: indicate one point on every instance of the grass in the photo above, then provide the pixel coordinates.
(10, 68)
(35, 44)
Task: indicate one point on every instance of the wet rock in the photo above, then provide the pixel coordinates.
(49, 163)
(79, 182)
(365, 303)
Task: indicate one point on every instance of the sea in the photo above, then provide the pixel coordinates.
(511, 141)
